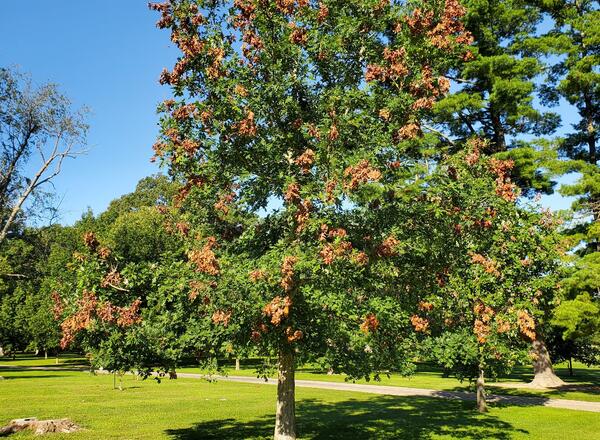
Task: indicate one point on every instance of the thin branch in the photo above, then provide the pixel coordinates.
(13, 275)
(460, 80)
(467, 122)
(439, 133)
(120, 289)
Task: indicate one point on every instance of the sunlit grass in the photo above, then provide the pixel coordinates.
(195, 409)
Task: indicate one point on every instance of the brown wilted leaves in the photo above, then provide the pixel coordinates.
(278, 309)
(287, 272)
(526, 324)
(370, 324)
(204, 259)
(359, 174)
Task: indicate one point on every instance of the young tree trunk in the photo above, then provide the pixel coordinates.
(544, 376)
(570, 366)
(481, 403)
(285, 416)
(45, 353)
(237, 364)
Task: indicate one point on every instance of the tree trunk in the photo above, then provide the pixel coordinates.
(544, 376)
(570, 366)
(498, 136)
(45, 354)
(481, 403)
(237, 364)
(285, 416)
(1, 351)
(590, 129)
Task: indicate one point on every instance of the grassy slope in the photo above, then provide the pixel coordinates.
(194, 409)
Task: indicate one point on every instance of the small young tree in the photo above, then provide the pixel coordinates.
(293, 125)
(124, 301)
(500, 273)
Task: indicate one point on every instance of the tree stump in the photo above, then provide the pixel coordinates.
(39, 427)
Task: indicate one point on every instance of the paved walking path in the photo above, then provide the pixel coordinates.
(578, 405)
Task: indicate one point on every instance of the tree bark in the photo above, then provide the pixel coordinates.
(1, 351)
(544, 376)
(570, 366)
(237, 364)
(481, 403)
(498, 136)
(590, 129)
(285, 416)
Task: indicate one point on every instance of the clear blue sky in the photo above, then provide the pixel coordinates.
(106, 55)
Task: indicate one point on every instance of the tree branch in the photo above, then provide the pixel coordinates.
(439, 133)
(39, 179)
(13, 275)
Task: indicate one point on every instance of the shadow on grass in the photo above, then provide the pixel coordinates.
(32, 369)
(382, 417)
(37, 376)
(561, 392)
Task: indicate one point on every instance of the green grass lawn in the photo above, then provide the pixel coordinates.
(583, 385)
(194, 409)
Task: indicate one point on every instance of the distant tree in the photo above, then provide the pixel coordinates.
(35, 122)
(494, 94)
(150, 191)
(13, 324)
(34, 261)
(107, 301)
(18, 259)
